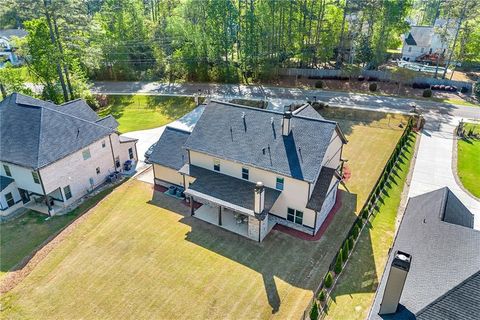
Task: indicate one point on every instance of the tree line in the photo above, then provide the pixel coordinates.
(71, 41)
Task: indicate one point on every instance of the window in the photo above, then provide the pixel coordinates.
(421, 50)
(7, 170)
(409, 49)
(103, 144)
(130, 153)
(9, 199)
(279, 184)
(98, 170)
(35, 177)
(68, 192)
(216, 165)
(295, 216)
(117, 161)
(86, 154)
(245, 173)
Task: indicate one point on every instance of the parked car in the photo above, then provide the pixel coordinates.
(149, 152)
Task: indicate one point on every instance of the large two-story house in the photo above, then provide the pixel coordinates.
(52, 155)
(254, 168)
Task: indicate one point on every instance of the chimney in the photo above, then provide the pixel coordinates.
(287, 123)
(259, 204)
(395, 282)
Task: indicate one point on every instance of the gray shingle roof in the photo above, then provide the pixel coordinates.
(321, 188)
(36, 133)
(233, 190)
(108, 121)
(169, 151)
(444, 255)
(8, 33)
(79, 108)
(5, 182)
(222, 132)
(308, 111)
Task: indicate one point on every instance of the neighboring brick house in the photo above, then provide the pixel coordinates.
(254, 168)
(52, 155)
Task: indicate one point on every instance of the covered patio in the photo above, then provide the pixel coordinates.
(227, 219)
(229, 202)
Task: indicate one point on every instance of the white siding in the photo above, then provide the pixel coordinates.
(16, 197)
(23, 177)
(168, 175)
(294, 195)
(76, 172)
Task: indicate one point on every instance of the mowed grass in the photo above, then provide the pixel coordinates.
(132, 259)
(355, 290)
(141, 112)
(23, 235)
(468, 165)
(372, 136)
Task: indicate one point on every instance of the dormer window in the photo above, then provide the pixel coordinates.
(216, 165)
(279, 184)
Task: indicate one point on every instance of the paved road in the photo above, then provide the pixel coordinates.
(279, 96)
(433, 168)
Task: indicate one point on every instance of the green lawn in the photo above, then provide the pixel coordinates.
(372, 136)
(21, 236)
(140, 112)
(355, 291)
(468, 164)
(134, 257)
(138, 257)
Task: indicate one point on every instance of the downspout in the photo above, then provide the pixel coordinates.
(113, 155)
(44, 193)
(315, 223)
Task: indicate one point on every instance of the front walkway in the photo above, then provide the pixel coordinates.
(433, 168)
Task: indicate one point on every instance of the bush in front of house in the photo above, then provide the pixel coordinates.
(345, 251)
(427, 93)
(314, 311)
(322, 296)
(365, 214)
(464, 89)
(373, 87)
(328, 280)
(338, 262)
(319, 84)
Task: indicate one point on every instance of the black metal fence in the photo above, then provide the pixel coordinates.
(362, 220)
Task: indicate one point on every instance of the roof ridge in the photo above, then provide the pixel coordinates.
(69, 102)
(177, 129)
(245, 107)
(39, 137)
(75, 117)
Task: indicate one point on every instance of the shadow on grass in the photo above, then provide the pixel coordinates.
(21, 237)
(298, 262)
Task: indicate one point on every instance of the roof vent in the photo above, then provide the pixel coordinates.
(271, 120)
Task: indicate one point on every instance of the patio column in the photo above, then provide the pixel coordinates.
(219, 215)
(192, 209)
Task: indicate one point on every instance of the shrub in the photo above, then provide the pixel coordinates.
(322, 296)
(372, 87)
(350, 242)
(328, 280)
(427, 93)
(345, 251)
(464, 90)
(356, 231)
(319, 84)
(339, 262)
(314, 311)
(102, 100)
(365, 214)
(477, 90)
